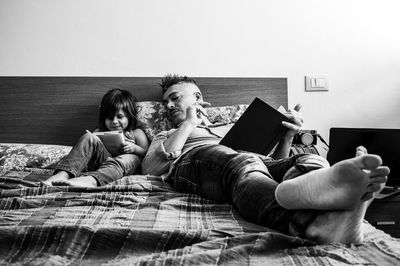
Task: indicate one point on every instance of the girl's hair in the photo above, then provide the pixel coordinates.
(115, 100)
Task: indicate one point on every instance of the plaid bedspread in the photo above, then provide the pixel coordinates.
(141, 220)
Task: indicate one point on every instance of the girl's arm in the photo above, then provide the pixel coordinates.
(141, 141)
(141, 146)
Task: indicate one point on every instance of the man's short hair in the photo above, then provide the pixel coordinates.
(173, 79)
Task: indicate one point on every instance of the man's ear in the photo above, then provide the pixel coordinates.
(198, 96)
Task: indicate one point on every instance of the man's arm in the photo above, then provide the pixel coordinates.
(282, 150)
(157, 161)
(178, 138)
(194, 117)
(166, 147)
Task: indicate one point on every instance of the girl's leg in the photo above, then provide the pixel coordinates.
(88, 153)
(114, 168)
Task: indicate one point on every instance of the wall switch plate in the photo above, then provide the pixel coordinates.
(317, 83)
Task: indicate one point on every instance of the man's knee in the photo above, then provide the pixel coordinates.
(311, 161)
(305, 163)
(225, 157)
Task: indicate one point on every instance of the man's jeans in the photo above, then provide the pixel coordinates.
(219, 173)
(90, 156)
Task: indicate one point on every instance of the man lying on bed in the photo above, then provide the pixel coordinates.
(299, 195)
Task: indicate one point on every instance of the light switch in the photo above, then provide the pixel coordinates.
(317, 83)
(313, 82)
(320, 82)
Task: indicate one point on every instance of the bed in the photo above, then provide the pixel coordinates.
(139, 219)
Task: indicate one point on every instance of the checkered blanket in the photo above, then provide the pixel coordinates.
(141, 220)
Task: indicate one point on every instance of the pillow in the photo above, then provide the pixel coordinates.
(153, 118)
(226, 114)
(22, 156)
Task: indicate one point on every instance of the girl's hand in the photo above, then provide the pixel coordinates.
(128, 147)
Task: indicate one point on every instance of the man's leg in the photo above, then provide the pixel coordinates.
(343, 191)
(220, 173)
(341, 186)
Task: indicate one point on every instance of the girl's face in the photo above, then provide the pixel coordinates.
(119, 122)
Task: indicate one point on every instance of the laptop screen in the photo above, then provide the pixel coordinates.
(384, 142)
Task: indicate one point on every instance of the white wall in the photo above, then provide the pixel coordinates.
(355, 42)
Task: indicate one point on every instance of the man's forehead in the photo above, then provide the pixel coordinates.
(181, 88)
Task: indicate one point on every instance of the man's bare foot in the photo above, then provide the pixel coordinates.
(81, 181)
(341, 187)
(344, 226)
(59, 176)
(339, 226)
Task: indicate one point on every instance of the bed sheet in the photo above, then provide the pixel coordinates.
(141, 220)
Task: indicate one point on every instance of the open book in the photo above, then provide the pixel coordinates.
(112, 140)
(258, 130)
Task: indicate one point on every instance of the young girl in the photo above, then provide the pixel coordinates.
(89, 155)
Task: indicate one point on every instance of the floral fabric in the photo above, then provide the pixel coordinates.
(153, 117)
(21, 156)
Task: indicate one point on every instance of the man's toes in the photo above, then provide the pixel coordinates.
(368, 161)
(378, 179)
(374, 187)
(380, 171)
(361, 150)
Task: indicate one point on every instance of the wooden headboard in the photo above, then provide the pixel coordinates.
(57, 110)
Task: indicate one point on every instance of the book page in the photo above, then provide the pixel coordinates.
(282, 109)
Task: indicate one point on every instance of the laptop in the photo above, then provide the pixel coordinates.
(384, 142)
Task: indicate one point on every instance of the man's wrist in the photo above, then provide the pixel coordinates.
(288, 139)
(189, 124)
